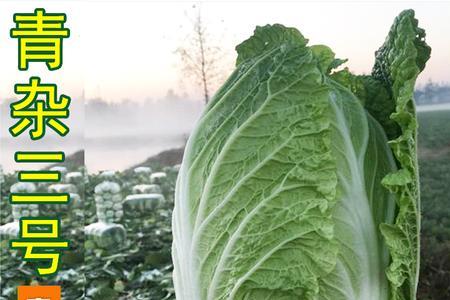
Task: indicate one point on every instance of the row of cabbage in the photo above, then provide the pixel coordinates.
(119, 227)
(110, 204)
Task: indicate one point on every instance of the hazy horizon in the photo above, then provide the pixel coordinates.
(126, 50)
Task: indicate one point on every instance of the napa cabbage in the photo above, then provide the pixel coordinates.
(300, 180)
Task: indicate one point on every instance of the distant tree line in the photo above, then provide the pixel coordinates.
(430, 93)
(433, 93)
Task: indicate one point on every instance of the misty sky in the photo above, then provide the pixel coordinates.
(125, 50)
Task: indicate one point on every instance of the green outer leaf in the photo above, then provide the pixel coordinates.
(398, 63)
(326, 58)
(267, 38)
(241, 95)
(274, 118)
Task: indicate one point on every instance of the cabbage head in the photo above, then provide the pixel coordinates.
(300, 180)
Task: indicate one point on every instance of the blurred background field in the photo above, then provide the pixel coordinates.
(434, 163)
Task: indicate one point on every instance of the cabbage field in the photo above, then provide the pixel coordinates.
(127, 255)
(120, 232)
